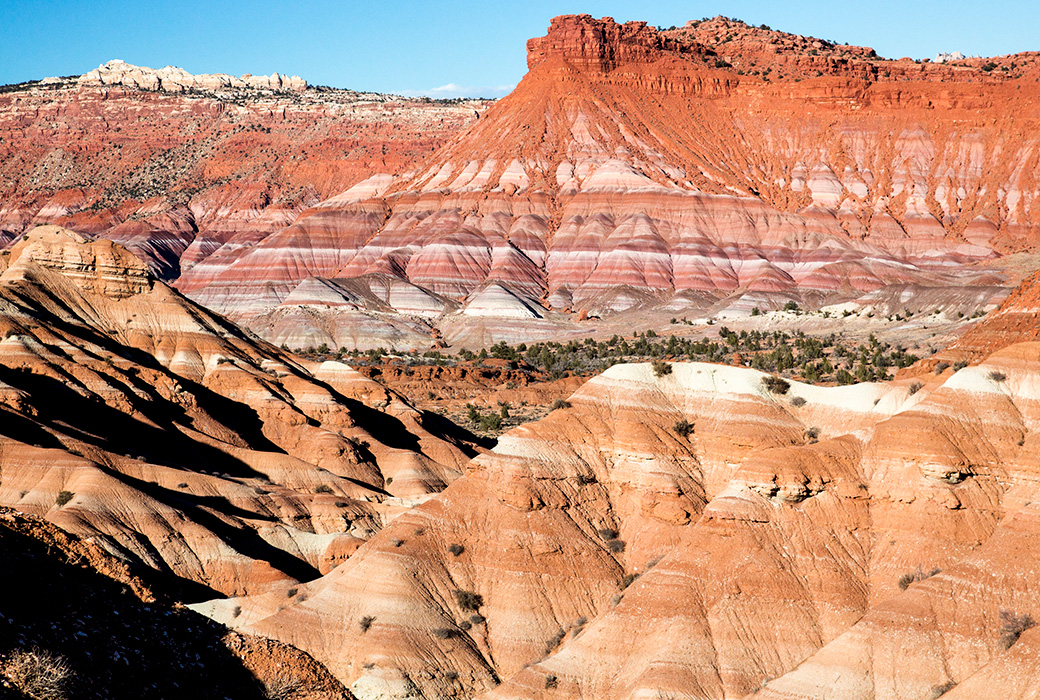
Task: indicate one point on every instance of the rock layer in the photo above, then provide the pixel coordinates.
(789, 542)
(634, 166)
(172, 438)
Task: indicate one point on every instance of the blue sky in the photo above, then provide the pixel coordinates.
(444, 49)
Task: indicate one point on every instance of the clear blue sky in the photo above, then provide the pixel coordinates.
(414, 47)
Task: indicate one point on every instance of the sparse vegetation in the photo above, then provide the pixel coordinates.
(1012, 627)
(366, 622)
(775, 385)
(38, 674)
(918, 574)
(283, 687)
(456, 549)
(560, 403)
(322, 488)
(683, 428)
(812, 434)
(798, 402)
(444, 633)
(914, 388)
(997, 376)
(938, 691)
(468, 600)
(941, 367)
(661, 368)
(63, 497)
(551, 681)
(616, 546)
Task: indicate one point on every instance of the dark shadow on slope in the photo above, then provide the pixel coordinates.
(117, 646)
(95, 423)
(244, 539)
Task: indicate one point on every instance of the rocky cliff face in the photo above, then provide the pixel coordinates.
(229, 166)
(638, 167)
(173, 79)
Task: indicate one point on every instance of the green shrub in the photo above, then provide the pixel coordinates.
(63, 497)
(661, 368)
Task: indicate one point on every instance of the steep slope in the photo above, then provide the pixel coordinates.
(169, 436)
(633, 166)
(235, 159)
(67, 600)
(605, 552)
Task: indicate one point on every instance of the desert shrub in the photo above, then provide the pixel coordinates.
(661, 368)
(616, 546)
(63, 497)
(997, 376)
(477, 619)
(182, 485)
(584, 479)
(628, 580)
(775, 385)
(283, 687)
(465, 625)
(554, 641)
(683, 428)
(551, 681)
(916, 575)
(812, 434)
(456, 549)
(292, 591)
(322, 488)
(366, 622)
(914, 388)
(559, 403)
(444, 633)
(798, 401)
(608, 533)
(468, 600)
(941, 367)
(39, 674)
(490, 422)
(938, 691)
(1013, 626)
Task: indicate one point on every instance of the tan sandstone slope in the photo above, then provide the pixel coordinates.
(132, 416)
(876, 540)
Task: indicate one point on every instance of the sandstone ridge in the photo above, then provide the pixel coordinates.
(639, 169)
(173, 79)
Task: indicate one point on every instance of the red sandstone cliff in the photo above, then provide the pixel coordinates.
(637, 166)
